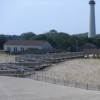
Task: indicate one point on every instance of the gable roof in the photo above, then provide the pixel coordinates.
(25, 42)
(89, 46)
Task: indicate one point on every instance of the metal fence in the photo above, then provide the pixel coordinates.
(66, 82)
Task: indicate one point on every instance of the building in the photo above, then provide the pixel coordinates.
(22, 45)
(92, 29)
(89, 46)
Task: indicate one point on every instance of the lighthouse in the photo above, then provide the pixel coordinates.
(92, 28)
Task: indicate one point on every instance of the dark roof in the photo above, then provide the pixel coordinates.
(91, 2)
(25, 42)
(89, 46)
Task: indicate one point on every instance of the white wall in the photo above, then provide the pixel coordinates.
(46, 45)
(19, 47)
(92, 27)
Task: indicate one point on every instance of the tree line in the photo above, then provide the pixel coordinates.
(59, 40)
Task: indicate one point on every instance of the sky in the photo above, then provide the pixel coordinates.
(40, 16)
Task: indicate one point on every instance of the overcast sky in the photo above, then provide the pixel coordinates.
(39, 16)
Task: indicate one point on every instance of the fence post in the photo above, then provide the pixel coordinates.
(37, 77)
(65, 82)
(54, 81)
(76, 84)
(99, 87)
(45, 79)
(87, 86)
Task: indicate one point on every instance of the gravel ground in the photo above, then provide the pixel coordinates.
(27, 89)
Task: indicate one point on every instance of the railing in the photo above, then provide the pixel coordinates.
(66, 82)
(91, 51)
(48, 57)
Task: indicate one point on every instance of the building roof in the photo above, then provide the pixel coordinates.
(89, 46)
(25, 42)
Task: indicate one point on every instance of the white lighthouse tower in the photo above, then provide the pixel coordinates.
(92, 29)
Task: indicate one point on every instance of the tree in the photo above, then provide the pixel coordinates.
(62, 41)
(3, 39)
(27, 35)
(39, 37)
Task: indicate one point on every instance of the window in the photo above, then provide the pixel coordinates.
(22, 49)
(15, 49)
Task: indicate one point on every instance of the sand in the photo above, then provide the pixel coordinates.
(7, 58)
(27, 89)
(78, 70)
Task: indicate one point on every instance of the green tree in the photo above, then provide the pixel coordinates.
(27, 35)
(3, 39)
(39, 37)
